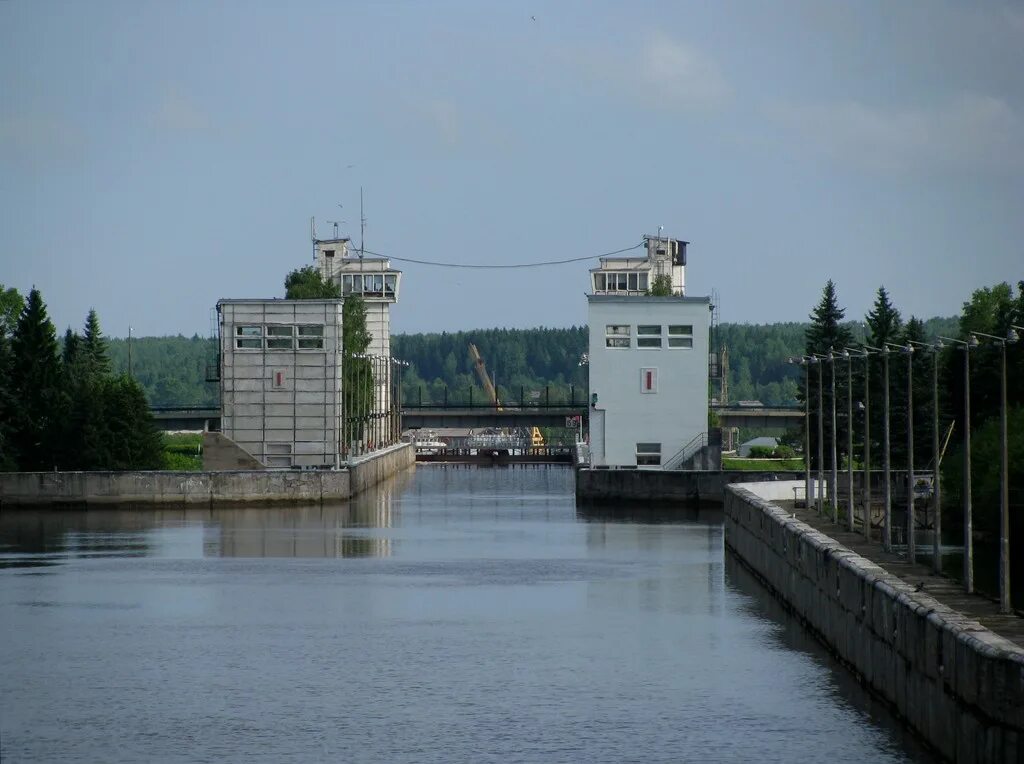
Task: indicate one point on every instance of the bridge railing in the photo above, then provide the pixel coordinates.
(549, 397)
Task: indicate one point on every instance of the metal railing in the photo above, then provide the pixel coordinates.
(686, 452)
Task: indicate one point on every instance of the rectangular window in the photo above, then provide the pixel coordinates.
(680, 342)
(632, 282)
(311, 343)
(279, 331)
(648, 454)
(243, 343)
(346, 285)
(649, 329)
(617, 335)
(648, 342)
(311, 330)
(623, 282)
(676, 329)
(390, 283)
(599, 282)
(642, 282)
(249, 331)
(280, 343)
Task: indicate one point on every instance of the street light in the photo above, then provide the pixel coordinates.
(819, 359)
(886, 466)
(936, 476)
(968, 345)
(849, 436)
(1004, 490)
(866, 406)
(909, 350)
(833, 492)
(806, 362)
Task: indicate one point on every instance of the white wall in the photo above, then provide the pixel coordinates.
(673, 415)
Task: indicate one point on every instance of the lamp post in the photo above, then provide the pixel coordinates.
(936, 458)
(867, 442)
(833, 492)
(886, 466)
(849, 437)
(819, 359)
(968, 512)
(1004, 479)
(806, 361)
(911, 548)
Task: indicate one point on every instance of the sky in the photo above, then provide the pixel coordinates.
(158, 156)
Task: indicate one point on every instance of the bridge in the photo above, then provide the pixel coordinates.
(538, 414)
(767, 417)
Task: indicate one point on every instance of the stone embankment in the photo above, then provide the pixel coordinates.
(204, 488)
(956, 683)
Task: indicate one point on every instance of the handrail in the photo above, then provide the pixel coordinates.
(699, 441)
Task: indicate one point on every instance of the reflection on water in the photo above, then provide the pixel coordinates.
(455, 615)
(357, 528)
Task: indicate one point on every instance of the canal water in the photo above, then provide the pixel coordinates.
(452, 615)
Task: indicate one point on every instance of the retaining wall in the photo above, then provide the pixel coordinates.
(959, 685)
(241, 486)
(705, 486)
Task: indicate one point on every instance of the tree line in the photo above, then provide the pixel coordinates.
(61, 406)
(911, 387)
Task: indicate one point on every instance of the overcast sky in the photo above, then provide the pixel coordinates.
(157, 156)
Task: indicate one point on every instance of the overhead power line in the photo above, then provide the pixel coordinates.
(509, 265)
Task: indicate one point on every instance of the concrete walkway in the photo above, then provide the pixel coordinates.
(945, 590)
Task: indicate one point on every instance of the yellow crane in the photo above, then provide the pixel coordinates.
(536, 438)
(485, 380)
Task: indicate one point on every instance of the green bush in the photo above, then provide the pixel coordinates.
(762, 452)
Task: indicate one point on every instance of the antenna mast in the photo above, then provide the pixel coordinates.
(362, 226)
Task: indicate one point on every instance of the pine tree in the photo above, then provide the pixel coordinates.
(884, 321)
(94, 347)
(826, 331)
(36, 386)
(826, 335)
(135, 442)
(69, 349)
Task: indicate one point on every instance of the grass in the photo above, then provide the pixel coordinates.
(183, 452)
(762, 465)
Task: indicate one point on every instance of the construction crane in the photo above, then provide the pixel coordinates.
(485, 380)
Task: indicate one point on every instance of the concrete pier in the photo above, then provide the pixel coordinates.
(257, 486)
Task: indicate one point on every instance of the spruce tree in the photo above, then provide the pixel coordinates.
(884, 321)
(135, 442)
(69, 349)
(36, 383)
(94, 346)
(826, 334)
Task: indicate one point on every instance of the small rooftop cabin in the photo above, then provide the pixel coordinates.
(635, 275)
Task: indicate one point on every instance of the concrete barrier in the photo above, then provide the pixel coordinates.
(222, 487)
(959, 685)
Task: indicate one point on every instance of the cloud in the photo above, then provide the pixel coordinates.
(176, 111)
(969, 131)
(665, 73)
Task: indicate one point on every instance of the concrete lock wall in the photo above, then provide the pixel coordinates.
(242, 486)
(604, 485)
(959, 685)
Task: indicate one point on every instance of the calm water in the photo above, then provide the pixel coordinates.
(454, 615)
